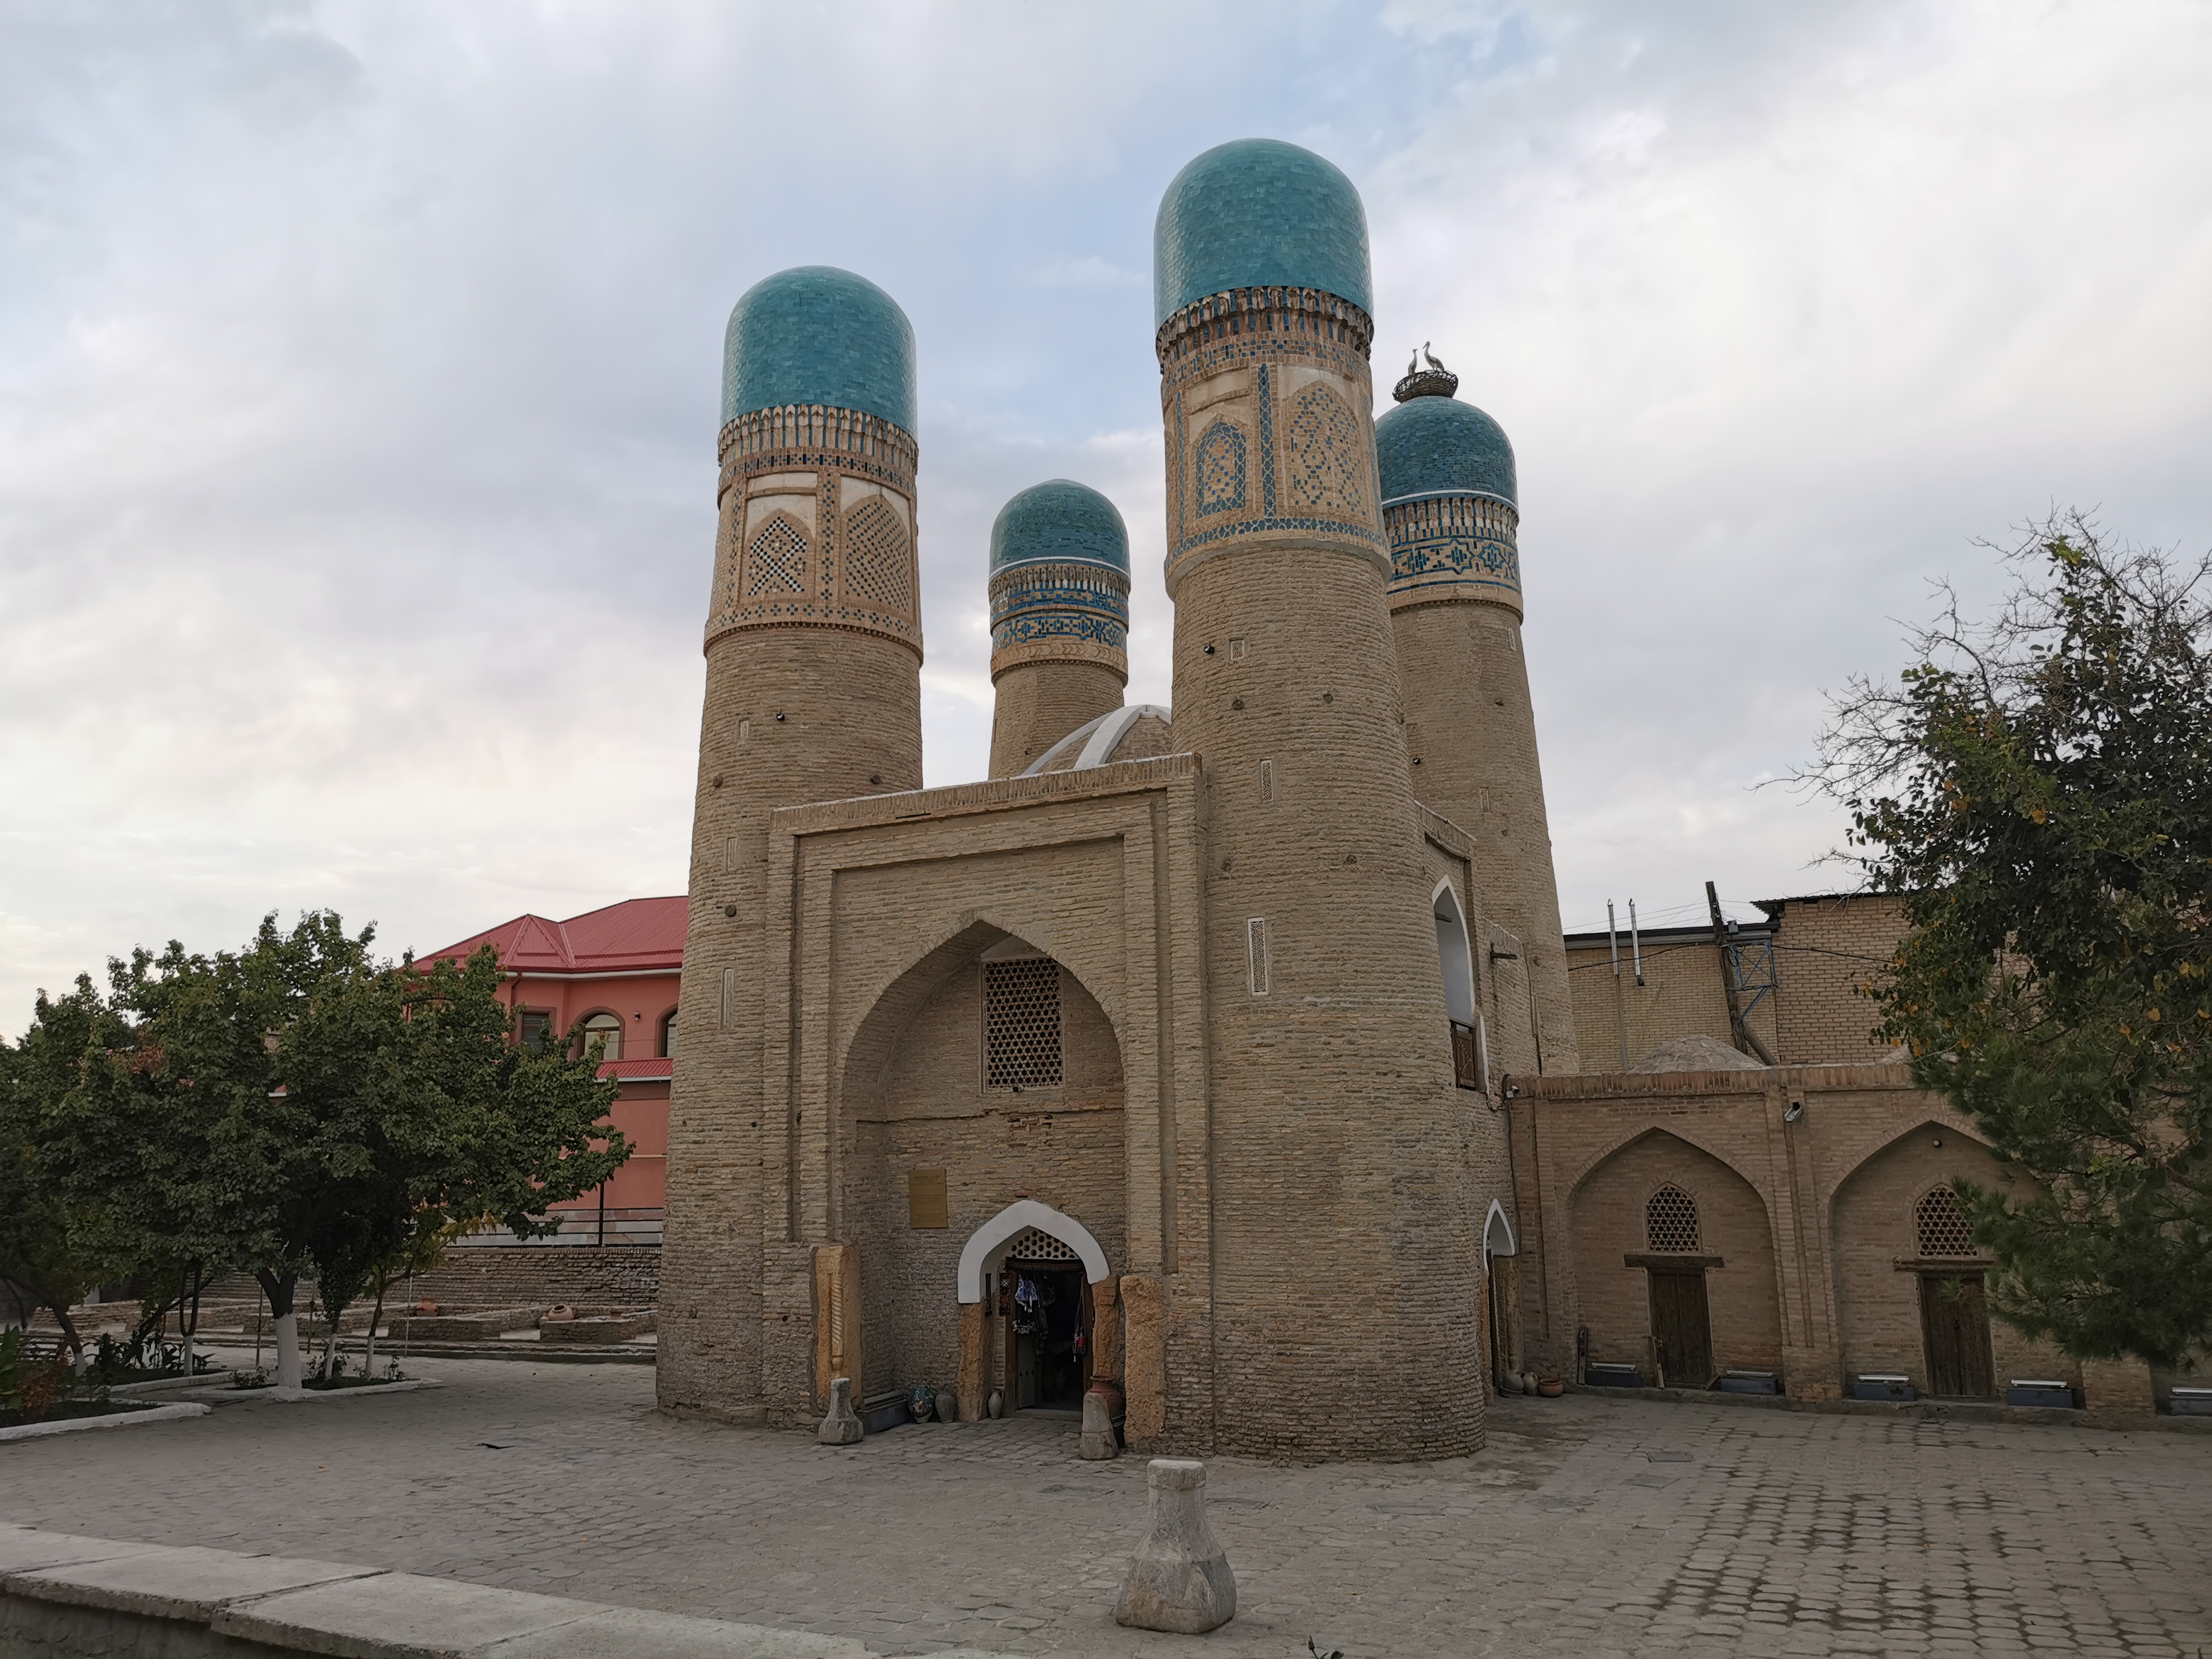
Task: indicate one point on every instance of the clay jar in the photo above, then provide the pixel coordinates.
(1550, 1387)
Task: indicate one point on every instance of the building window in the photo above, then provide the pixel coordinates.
(1670, 1221)
(1939, 1221)
(668, 1037)
(605, 1028)
(1021, 1024)
(537, 1031)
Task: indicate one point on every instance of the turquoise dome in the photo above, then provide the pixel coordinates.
(817, 335)
(1060, 521)
(1259, 213)
(1432, 446)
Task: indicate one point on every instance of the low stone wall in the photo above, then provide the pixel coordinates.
(66, 1597)
(506, 1276)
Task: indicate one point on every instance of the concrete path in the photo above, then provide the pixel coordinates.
(1590, 1527)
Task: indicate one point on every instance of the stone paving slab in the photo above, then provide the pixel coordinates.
(1589, 1526)
(186, 1582)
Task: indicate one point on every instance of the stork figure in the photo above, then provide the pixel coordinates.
(1435, 362)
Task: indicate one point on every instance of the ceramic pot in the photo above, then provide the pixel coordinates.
(1550, 1387)
(997, 1404)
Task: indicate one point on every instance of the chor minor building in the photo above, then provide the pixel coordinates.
(1228, 1053)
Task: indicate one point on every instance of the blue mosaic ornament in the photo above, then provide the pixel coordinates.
(817, 334)
(1259, 213)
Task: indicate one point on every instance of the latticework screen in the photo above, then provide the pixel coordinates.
(1670, 1220)
(1031, 1245)
(1021, 1024)
(1940, 1224)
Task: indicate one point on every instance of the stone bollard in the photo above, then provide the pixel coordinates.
(1178, 1579)
(1099, 1441)
(841, 1427)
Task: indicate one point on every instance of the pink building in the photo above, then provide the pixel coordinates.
(615, 970)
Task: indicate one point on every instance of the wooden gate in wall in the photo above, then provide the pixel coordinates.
(1681, 1328)
(1954, 1333)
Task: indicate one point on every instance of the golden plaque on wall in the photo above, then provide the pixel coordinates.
(925, 1198)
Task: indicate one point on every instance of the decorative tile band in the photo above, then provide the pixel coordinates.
(1444, 548)
(805, 559)
(1304, 313)
(798, 436)
(1077, 611)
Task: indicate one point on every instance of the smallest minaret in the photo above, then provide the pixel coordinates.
(1060, 618)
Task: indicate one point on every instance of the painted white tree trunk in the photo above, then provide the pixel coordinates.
(189, 1334)
(288, 1375)
(330, 1350)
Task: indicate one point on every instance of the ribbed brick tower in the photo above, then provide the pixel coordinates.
(1449, 507)
(1060, 617)
(813, 693)
(1346, 1292)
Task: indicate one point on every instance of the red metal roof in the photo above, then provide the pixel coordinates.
(639, 1070)
(637, 936)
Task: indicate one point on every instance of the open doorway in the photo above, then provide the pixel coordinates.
(1047, 1316)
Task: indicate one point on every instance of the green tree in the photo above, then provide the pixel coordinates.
(304, 1109)
(43, 1263)
(2039, 788)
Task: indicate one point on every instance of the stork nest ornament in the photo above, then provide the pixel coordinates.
(1434, 382)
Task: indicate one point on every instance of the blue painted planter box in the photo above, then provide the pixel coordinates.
(1612, 1376)
(2033, 1391)
(1884, 1386)
(1749, 1382)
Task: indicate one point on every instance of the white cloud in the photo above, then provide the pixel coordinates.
(358, 367)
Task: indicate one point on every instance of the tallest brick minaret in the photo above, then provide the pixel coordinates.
(813, 693)
(1345, 1295)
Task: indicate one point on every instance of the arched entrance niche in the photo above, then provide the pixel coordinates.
(985, 1075)
(1669, 1238)
(1910, 1304)
(1501, 1288)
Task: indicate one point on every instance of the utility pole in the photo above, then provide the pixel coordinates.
(1620, 1008)
(1730, 972)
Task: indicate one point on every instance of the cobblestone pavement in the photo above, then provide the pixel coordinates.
(1590, 1527)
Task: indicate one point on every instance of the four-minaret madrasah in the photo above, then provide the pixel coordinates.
(1194, 1029)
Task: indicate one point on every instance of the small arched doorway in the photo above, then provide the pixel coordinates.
(1034, 1270)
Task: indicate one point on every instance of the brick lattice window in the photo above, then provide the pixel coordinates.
(876, 561)
(777, 560)
(1939, 1224)
(1032, 1244)
(1021, 1024)
(1670, 1220)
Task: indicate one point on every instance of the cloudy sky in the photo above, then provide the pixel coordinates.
(359, 364)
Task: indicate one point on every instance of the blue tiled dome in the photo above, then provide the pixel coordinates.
(1429, 445)
(817, 335)
(1060, 521)
(1259, 213)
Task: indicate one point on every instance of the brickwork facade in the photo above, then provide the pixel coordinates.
(1618, 1021)
(1827, 949)
(1805, 1179)
(1471, 738)
(1039, 702)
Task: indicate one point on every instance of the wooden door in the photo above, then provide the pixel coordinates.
(1955, 1330)
(1681, 1328)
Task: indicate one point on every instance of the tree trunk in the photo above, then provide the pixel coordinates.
(188, 1310)
(58, 1307)
(279, 1292)
(368, 1350)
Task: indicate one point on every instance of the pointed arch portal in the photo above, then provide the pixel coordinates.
(1018, 1217)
